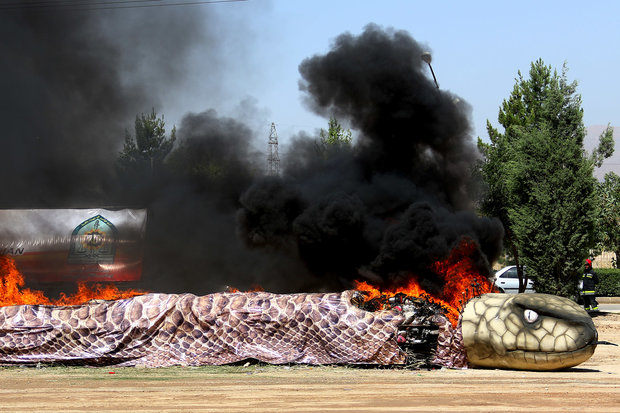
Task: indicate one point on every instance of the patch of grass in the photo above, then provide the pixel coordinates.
(158, 374)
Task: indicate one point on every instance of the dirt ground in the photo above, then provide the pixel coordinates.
(592, 386)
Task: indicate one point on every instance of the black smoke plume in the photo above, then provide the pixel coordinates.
(193, 241)
(395, 202)
(73, 81)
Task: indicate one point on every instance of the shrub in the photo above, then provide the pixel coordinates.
(609, 282)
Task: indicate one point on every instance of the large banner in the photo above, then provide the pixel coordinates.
(74, 244)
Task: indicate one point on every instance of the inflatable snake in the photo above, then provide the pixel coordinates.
(524, 331)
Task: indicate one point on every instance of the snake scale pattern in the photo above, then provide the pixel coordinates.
(159, 330)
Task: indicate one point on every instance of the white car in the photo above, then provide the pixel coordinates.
(507, 281)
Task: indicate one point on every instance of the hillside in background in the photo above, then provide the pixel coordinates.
(611, 164)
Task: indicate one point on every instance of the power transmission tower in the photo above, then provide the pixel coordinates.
(273, 159)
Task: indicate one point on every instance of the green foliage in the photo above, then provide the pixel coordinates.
(608, 193)
(147, 150)
(335, 138)
(609, 282)
(539, 182)
(605, 147)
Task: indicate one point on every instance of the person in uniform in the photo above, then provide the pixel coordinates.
(588, 287)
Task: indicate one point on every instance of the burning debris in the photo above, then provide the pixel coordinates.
(457, 273)
(418, 334)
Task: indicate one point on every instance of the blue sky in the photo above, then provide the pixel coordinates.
(477, 46)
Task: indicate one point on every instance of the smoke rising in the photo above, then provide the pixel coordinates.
(398, 200)
(388, 206)
(72, 82)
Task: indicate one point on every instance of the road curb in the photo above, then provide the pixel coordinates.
(608, 300)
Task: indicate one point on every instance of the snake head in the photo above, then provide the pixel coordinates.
(527, 332)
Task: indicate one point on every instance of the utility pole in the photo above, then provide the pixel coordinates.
(273, 159)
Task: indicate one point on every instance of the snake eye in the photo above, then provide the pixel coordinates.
(530, 315)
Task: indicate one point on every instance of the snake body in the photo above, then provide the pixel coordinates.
(158, 330)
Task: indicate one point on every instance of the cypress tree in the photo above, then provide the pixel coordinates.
(539, 180)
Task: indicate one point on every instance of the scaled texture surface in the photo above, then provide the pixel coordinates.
(157, 330)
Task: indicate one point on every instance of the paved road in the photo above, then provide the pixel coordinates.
(610, 307)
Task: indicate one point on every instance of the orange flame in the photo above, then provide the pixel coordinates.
(255, 289)
(461, 282)
(13, 293)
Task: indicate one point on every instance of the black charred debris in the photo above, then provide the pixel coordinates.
(417, 335)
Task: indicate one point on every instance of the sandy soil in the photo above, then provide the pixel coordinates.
(592, 386)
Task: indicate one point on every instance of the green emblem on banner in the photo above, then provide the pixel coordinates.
(93, 242)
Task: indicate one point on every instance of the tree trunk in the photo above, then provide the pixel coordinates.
(520, 272)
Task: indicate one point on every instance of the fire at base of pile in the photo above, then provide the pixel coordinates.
(425, 336)
(525, 331)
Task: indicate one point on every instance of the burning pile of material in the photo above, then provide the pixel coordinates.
(390, 215)
(460, 279)
(529, 331)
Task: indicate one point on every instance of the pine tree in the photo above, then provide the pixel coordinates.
(141, 172)
(146, 152)
(539, 180)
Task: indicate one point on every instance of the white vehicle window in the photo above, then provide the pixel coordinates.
(511, 273)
